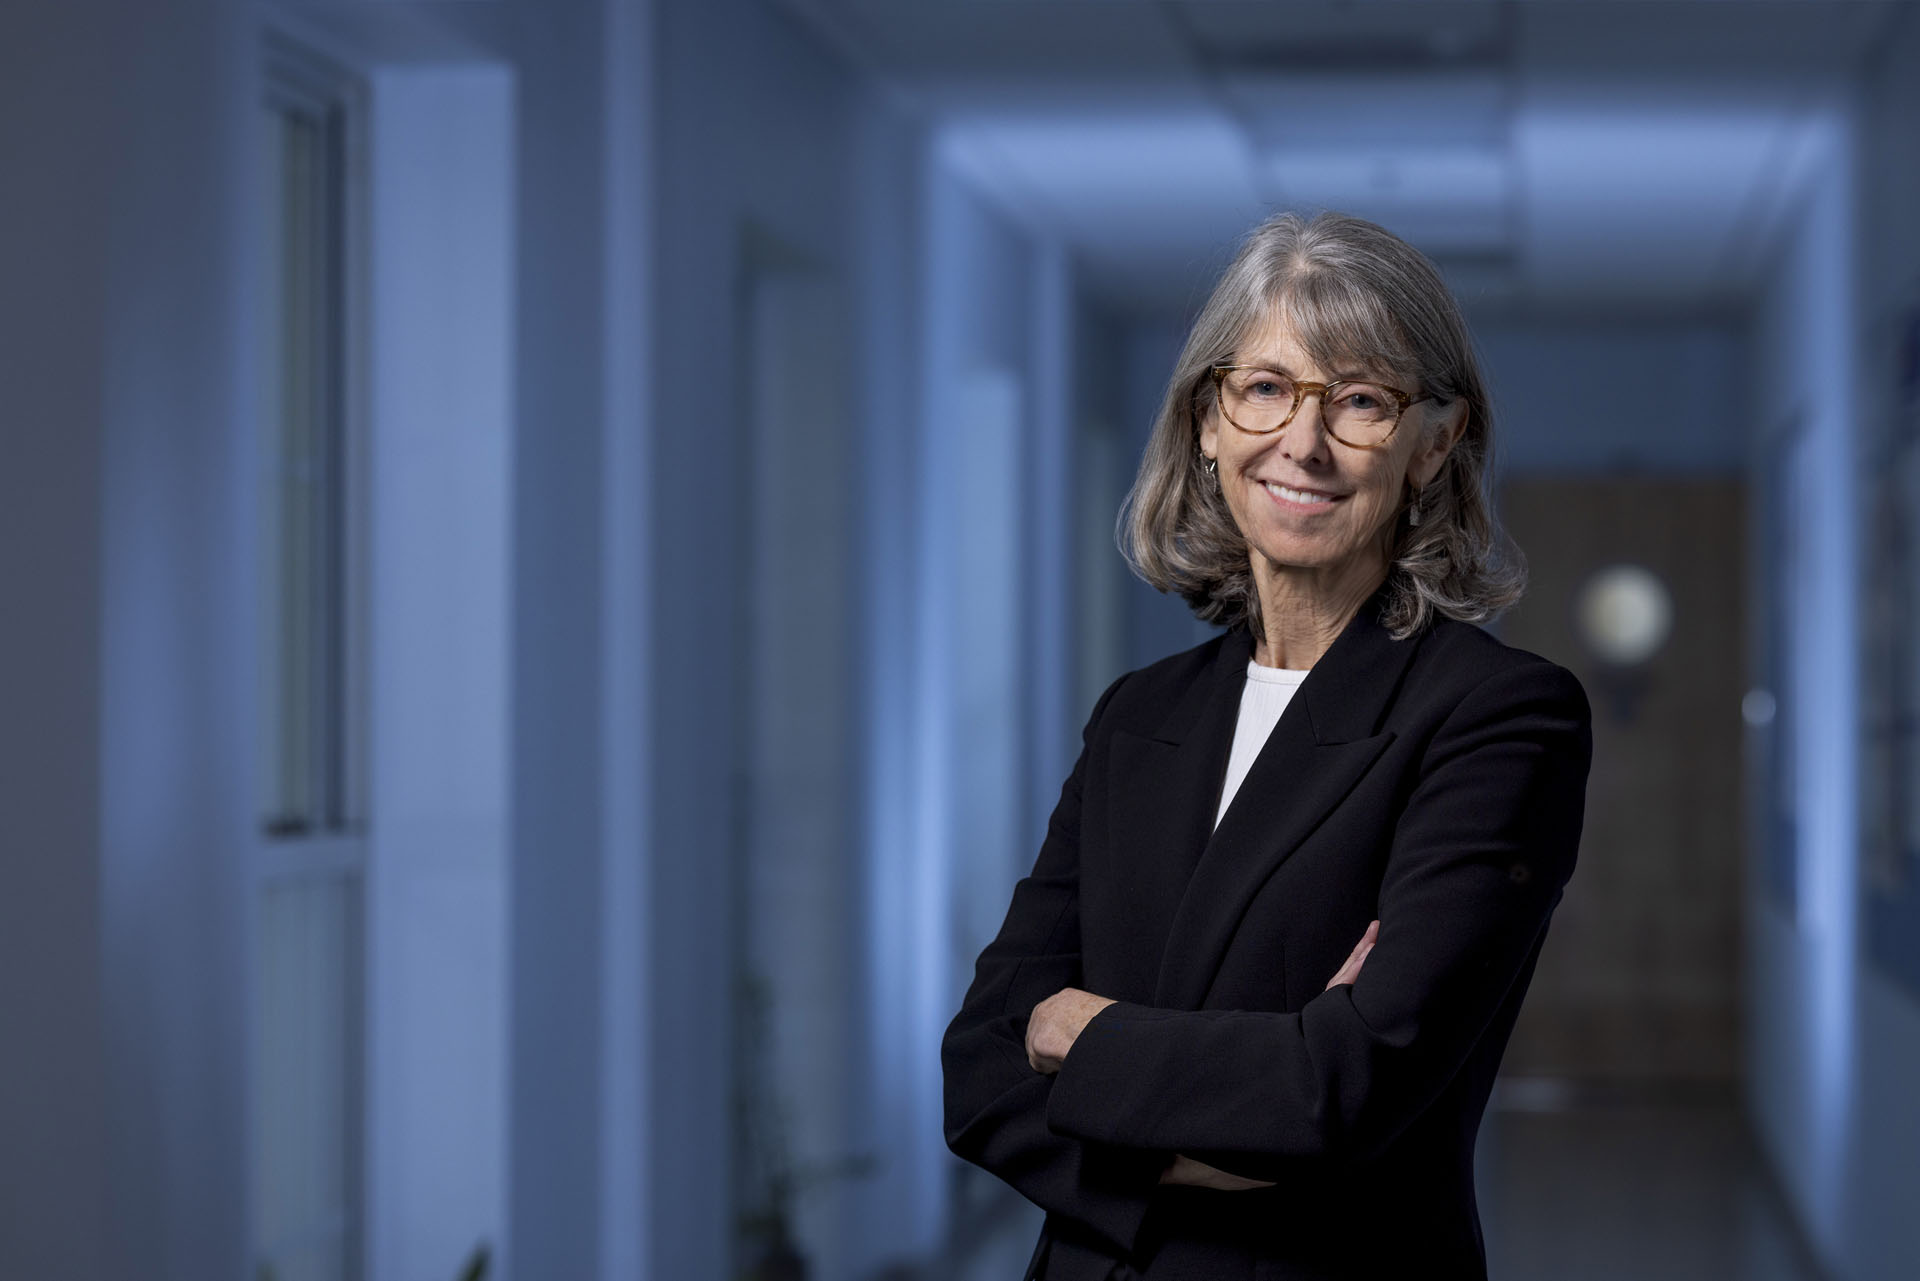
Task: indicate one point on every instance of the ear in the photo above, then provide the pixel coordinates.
(1436, 443)
(1210, 432)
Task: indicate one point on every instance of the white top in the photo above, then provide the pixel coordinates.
(1267, 693)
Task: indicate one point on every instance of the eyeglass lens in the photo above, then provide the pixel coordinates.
(1261, 400)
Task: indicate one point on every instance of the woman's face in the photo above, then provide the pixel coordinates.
(1303, 499)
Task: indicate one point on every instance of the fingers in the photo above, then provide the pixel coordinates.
(1356, 958)
(1051, 1030)
(1198, 1174)
(1037, 1057)
(1033, 1027)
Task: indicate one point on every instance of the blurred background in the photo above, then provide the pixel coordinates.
(555, 555)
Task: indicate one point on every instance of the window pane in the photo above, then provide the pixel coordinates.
(304, 1020)
(305, 498)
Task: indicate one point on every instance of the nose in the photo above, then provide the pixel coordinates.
(1304, 437)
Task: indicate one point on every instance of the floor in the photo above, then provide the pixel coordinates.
(1660, 1185)
(1650, 1185)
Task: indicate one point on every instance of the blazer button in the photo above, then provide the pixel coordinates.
(1519, 874)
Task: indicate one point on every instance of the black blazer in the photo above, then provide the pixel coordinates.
(1435, 783)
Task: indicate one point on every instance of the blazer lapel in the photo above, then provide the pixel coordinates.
(1325, 740)
(1185, 757)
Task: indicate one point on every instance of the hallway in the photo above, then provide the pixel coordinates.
(1667, 1188)
(557, 552)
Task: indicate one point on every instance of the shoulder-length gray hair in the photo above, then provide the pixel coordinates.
(1354, 294)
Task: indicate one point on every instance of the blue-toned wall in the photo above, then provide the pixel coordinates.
(1801, 952)
(656, 158)
(1136, 369)
(1649, 395)
(436, 449)
(771, 156)
(1883, 1234)
(752, 125)
(992, 686)
(128, 650)
(149, 200)
(1104, 453)
(1833, 1039)
(889, 1215)
(558, 56)
(53, 230)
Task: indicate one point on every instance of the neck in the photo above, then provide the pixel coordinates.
(1303, 609)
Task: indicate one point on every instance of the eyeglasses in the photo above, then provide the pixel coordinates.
(1360, 414)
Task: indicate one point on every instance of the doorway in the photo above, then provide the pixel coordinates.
(1639, 981)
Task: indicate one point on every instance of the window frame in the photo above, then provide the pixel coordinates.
(317, 850)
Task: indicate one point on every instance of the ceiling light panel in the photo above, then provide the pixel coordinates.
(1384, 108)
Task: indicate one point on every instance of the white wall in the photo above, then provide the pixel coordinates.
(440, 182)
(1803, 1017)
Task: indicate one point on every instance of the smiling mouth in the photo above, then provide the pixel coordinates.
(1305, 497)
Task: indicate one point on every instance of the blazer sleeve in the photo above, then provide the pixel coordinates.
(995, 1103)
(1478, 861)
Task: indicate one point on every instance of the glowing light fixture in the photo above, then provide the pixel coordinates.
(1624, 614)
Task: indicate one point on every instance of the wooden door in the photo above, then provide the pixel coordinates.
(1639, 980)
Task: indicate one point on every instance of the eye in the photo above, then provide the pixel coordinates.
(1263, 386)
(1362, 397)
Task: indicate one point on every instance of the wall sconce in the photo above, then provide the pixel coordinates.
(1623, 615)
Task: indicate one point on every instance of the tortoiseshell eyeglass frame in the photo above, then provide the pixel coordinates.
(1301, 390)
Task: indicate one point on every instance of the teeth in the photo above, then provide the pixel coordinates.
(1296, 495)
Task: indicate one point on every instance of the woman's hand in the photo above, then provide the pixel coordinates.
(1056, 1023)
(1198, 1174)
(1356, 958)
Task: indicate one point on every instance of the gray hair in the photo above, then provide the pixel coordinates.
(1354, 294)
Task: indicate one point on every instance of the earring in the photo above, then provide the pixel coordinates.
(1212, 466)
(1413, 509)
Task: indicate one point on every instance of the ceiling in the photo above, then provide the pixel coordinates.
(1552, 155)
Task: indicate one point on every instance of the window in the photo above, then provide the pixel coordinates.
(313, 785)
(308, 884)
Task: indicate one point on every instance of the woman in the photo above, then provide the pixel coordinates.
(1243, 1018)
